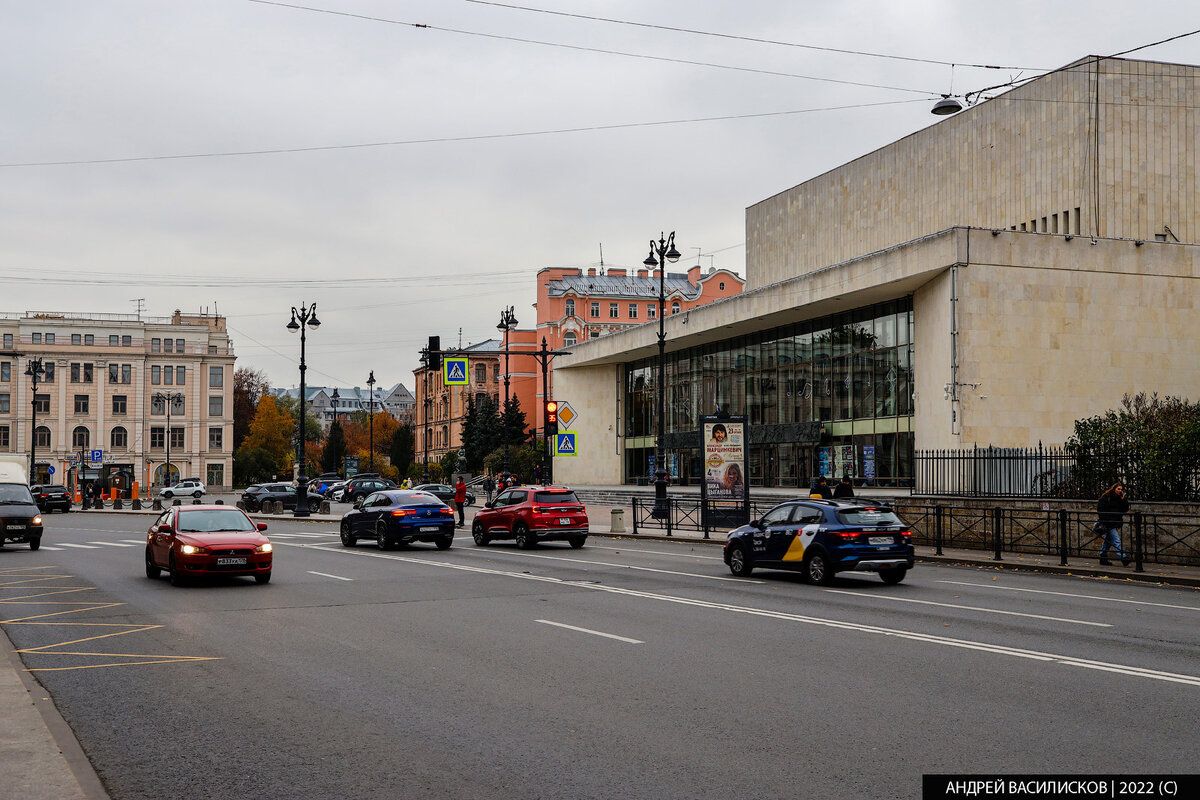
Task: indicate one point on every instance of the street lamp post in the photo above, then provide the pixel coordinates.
(302, 320)
(508, 321)
(168, 399)
(335, 397)
(35, 369)
(661, 252)
(371, 419)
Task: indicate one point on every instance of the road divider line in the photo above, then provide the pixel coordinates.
(113, 544)
(327, 575)
(133, 541)
(897, 633)
(1069, 594)
(968, 608)
(80, 546)
(493, 551)
(625, 639)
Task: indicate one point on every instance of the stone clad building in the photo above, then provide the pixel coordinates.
(106, 388)
(986, 280)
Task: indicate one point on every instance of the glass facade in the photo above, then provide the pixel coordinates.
(829, 396)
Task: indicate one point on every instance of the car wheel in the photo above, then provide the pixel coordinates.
(348, 540)
(445, 542)
(35, 543)
(174, 574)
(525, 539)
(382, 539)
(577, 541)
(168, 494)
(152, 571)
(739, 561)
(817, 569)
(197, 495)
(314, 507)
(262, 577)
(479, 534)
(893, 576)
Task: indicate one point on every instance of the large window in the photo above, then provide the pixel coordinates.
(81, 438)
(216, 377)
(214, 475)
(569, 339)
(5, 403)
(41, 403)
(158, 438)
(177, 438)
(82, 404)
(5, 441)
(41, 436)
(216, 406)
(570, 308)
(119, 440)
(216, 438)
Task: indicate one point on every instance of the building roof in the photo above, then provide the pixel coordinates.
(350, 396)
(622, 286)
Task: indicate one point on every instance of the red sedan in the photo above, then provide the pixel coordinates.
(197, 541)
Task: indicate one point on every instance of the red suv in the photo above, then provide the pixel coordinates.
(532, 514)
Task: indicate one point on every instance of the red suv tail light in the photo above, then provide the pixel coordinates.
(403, 512)
(448, 512)
(906, 534)
(848, 535)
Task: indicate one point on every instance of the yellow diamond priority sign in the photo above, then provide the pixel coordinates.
(566, 414)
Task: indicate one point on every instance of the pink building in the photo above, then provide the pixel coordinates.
(574, 304)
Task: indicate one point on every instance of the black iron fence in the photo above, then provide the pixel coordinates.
(1155, 538)
(1048, 472)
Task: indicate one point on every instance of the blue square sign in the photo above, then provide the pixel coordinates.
(565, 444)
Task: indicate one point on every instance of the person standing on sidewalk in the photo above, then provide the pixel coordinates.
(489, 486)
(1112, 507)
(460, 500)
(844, 489)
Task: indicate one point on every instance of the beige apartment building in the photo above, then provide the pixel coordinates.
(108, 382)
(987, 280)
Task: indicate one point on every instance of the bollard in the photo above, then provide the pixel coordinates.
(635, 516)
(195, 501)
(117, 504)
(617, 521)
(997, 523)
(1062, 537)
(137, 504)
(1139, 542)
(324, 507)
(938, 530)
(218, 502)
(176, 502)
(156, 505)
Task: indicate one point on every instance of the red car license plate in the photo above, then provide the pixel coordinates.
(564, 520)
(231, 562)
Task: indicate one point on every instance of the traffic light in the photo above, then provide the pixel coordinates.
(434, 353)
(551, 416)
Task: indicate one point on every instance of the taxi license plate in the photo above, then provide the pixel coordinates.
(880, 540)
(429, 530)
(231, 562)
(564, 520)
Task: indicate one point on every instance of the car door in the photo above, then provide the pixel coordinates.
(495, 519)
(775, 534)
(372, 509)
(512, 510)
(800, 531)
(160, 544)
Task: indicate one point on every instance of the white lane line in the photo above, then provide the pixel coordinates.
(80, 546)
(48, 547)
(302, 535)
(133, 541)
(968, 608)
(492, 551)
(113, 544)
(1068, 594)
(625, 639)
(327, 575)
(915, 636)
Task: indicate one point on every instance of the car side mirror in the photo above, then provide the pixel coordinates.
(489, 505)
(262, 526)
(756, 523)
(358, 503)
(165, 528)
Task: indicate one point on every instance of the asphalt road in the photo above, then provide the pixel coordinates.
(628, 669)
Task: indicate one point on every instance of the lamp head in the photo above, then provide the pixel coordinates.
(672, 254)
(946, 106)
(293, 326)
(313, 322)
(651, 261)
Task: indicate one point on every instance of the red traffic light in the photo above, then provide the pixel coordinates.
(551, 412)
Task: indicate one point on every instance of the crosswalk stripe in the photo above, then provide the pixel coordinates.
(112, 544)
(80, 546)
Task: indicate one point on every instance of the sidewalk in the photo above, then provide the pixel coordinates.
(1170, 574)
(40, 759)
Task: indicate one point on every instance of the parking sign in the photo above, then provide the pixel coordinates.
(96, 456)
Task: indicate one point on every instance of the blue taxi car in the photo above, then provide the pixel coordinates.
(820, 538)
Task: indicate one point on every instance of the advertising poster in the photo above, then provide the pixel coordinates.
(868, 462)
(724, 491)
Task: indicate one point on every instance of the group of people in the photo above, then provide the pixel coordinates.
(821, 490)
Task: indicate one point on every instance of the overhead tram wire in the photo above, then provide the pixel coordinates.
(754, 39)
(476, 138)
(585, 49)
(39, 275)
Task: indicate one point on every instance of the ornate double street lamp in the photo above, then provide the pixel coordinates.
(302, 320)
(35, 369)
(371, 419)
(661, 252)
(508, 321)
(168, 399)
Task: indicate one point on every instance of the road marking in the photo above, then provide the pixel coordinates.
(17, 570)
(302, 535)
(657, 552)
(113, 544)
(48, 547)
(898, 633)
(327, 575)
(625, 639)
(492, 551)
(1068, 594)
(134, 541)
(968, 608)
(80, 546)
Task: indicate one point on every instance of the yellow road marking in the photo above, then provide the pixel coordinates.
(48, 594)
(100, 607)
(132, 629)
(33, 578)
(16, 570)
(189, 660)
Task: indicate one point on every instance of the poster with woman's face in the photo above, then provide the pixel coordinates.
(724, 460)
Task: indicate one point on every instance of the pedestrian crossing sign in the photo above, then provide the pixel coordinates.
(455, 370)
(565, 444)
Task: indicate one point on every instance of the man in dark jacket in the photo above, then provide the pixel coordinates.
(844, 489)
(821, 489)
(1111, 509)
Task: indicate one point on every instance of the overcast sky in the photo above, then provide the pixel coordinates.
(457, 229)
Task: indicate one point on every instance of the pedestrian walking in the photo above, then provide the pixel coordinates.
(1111, 508)
(820, 489)
(845, 488)
(460, 500)
(489, 486)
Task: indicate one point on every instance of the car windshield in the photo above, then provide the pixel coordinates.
(15, 494)
(869, 516)
(213, 520)
(557, 497)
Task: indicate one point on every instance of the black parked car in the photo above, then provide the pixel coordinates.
(285, 493)
(444, 493)
(51, 497)
(359, 487)
(20, 519)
